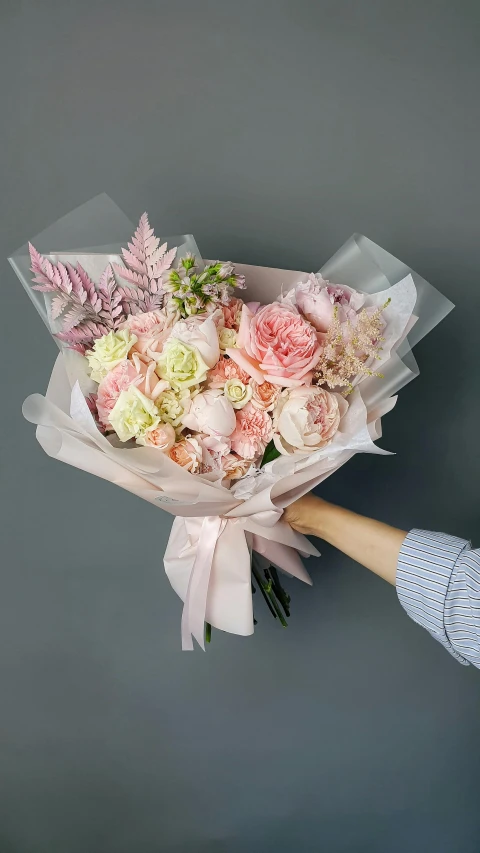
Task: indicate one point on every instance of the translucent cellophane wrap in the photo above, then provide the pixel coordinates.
(208, 556)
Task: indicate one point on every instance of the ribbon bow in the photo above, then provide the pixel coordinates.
(208, 563)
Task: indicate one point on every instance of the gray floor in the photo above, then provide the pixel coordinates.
(272, 130)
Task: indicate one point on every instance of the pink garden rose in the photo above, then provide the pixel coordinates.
(252, 432)
(277, 345)
(306, 419)
(152, 330)
(223, 370)
(162, 436)
(188, 454)
(317, 298)
(264, 396)
(211, 413)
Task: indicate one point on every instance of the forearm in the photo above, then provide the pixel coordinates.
(371, 543)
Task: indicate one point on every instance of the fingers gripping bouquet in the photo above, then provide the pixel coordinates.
(218, 409)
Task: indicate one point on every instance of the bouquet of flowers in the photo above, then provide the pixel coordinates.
(221, 411)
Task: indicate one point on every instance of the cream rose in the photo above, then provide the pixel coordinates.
(238, 393)
(306, 419)
(109, 351)
(226, 338)
(133, 414)
(181, 364)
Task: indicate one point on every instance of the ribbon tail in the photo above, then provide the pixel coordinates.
(194, 608)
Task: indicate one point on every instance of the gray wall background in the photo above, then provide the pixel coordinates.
(272, 131)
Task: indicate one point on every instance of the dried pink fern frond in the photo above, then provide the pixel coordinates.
(111, 297)
(72, 284)
(86, 312)
(81, 336)
(145, 261)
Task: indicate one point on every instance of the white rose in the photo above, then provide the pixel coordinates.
(133, 414)
(108, 351)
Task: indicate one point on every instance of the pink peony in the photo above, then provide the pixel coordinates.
(223, 370)
(116, 381)
(252, 433)
(200, 333)
(162, 436)
(306, 419)
(276, 345)
(211, 413)
(232, 313)
(188, 454)
(264, 396)
(152, 330)
(316, 299)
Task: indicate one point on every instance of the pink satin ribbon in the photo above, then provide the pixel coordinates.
(194, 608)
(212, 528)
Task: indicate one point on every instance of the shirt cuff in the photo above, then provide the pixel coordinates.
(424, 570)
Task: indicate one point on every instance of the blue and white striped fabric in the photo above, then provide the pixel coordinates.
(438, 584)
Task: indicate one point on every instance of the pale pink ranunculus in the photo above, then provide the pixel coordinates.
(188, 454)
(223, 370)
(215, 450)
(277, 345)
(264, 396)
(151, 328)
(232, 313)
(218, 446)
(316, 299)
(252, 432)
(211, 413)
(234, 467)
(162, 436)
(117, 380)
(306, 419)
(200, 333)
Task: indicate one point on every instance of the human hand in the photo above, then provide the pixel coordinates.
(305, 514)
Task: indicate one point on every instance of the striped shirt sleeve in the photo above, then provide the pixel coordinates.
(438, 584)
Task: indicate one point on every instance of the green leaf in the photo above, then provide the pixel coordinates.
(270, 454)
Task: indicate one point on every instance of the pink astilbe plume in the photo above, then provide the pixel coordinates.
(145, 263)
(348, 349)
